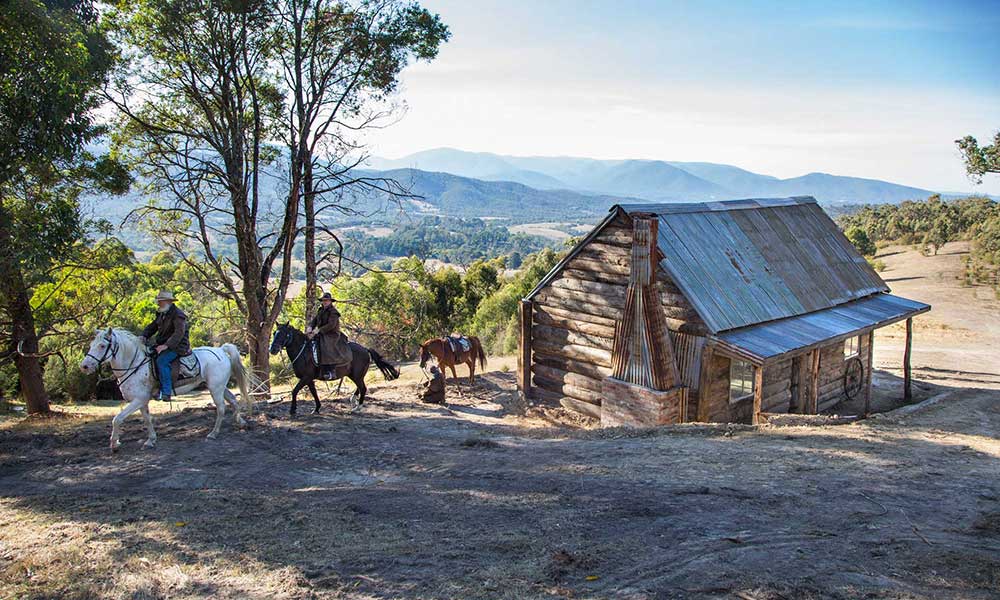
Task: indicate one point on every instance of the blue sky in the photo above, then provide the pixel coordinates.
(870, 89)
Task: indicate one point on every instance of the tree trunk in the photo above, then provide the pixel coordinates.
(29, 369)
(309, 207)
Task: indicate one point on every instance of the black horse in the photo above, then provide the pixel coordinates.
(296, 344)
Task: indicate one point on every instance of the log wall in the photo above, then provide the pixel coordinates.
(831, 372)
(777, 392)
(573, 318)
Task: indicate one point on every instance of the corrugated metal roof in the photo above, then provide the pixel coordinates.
(777, 338)
(745, 262)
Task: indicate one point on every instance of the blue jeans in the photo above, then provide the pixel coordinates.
(163, 360)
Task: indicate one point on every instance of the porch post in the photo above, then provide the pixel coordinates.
(812, 402)
(524, 350)
(868, 372)
(907, 391)
(758, 392)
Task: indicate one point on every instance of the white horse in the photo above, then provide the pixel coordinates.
(131, 366)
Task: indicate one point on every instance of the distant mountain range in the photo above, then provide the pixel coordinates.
(653, 180)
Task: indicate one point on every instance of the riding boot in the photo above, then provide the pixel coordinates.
(328, 373)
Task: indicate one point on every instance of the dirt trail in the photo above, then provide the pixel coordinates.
(489, 499)
(958, 342)
(476, 501)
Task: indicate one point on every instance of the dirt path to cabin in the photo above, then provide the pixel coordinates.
(481, 501)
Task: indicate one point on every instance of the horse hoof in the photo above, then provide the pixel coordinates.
(241, 422)
(149, 444)
(212, 436)
(315, 411)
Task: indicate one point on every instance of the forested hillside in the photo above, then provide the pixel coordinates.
(931, 224)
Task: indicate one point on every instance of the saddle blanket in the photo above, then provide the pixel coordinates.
(185, 367)
(189, 366)
(459, 343)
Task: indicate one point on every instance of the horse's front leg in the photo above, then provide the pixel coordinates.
(312, 388)
(116, 423)
(151, 438)
(295, 395)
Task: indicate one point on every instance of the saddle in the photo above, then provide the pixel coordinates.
(340, 370)
(182, 368)
(459, 343)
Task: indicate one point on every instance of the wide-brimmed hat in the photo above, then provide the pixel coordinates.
(326, 296)
(165, 295)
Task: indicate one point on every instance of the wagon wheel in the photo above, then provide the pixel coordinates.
(854, 377)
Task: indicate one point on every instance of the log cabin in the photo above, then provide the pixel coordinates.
(719, 311)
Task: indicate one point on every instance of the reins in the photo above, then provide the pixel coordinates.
(111, 352)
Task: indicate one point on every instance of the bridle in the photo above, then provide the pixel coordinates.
(111, 352)
(288, 336)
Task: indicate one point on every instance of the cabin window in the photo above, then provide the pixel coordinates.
(852, 347)
(740, 380)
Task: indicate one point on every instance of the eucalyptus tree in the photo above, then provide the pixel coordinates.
(341, 62)
(199, 103)
(980, 160)
(53, 63)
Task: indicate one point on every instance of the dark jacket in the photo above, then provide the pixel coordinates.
(333, 348)
(434, 389)
(171, 329)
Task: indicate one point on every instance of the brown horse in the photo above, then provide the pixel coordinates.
(446, 357)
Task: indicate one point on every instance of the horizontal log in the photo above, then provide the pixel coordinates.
(598, 276)
(689, 327)
(776, 387)
(586, 408)
(567, 377)
(566, 389)
(616, 236)
(590, 287)
(545, 318)
(680, 314)
(583, 303)
(672, 299)
(611, 250)
(606, 259)
(666, 285)
(559, 336)
(595, 356)
(562, 363)
(598, 265)
(558, 312)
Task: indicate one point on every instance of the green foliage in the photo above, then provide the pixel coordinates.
(980, 160)
(859, 237)
(54, 61)
(495, 319)
(451, 240)
(933, 223)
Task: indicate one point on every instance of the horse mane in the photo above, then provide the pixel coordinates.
(127, 335)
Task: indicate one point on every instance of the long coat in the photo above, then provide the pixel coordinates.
(333, 348)
(171, 330)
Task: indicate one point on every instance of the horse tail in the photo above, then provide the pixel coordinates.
(244, 379)
(388, 371)
(480, 352)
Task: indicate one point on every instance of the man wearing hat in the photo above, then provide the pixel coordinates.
(333, 348)
(171, 330)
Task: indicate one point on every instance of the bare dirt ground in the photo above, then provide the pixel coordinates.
(491, 499)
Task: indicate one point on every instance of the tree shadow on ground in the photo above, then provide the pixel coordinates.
(400, 504)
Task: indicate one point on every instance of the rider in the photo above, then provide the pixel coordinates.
(333, 348)
(171, 329)
(433, 392)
